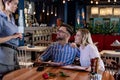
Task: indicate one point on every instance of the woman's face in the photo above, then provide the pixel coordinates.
(12, 6)
(78, 37)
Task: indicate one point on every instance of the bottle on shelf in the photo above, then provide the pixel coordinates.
(21, 22)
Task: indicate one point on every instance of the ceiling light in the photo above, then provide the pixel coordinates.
(96, 2)
(63, 1)
(108, 0)
(43, 10)
(91, 2)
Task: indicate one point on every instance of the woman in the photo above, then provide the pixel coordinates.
(9, 37)
(1, 5)
(87, 49)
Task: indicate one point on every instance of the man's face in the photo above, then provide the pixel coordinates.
(62, 33)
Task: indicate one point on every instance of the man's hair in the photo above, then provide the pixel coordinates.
(68, 28)
(6, 1)
(60, 20)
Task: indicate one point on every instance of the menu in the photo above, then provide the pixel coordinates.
(74, 67)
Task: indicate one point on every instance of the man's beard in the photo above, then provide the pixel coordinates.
(59, 39)
(78, 45)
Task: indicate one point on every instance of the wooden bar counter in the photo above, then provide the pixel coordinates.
(32, 74)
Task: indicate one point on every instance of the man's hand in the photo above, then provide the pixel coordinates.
(73, 45)
(37, 62)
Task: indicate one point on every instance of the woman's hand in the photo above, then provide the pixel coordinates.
(14, 36)
(88, 69)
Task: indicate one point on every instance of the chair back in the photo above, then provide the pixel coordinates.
(24, 59)
(109, 66)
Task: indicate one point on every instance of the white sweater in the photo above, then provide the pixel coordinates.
(89, 52)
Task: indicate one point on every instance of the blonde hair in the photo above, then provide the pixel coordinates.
(1, 5)
(86, 37)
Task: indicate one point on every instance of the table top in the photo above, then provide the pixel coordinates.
(36, 48)
(113, 52)
(32, 74)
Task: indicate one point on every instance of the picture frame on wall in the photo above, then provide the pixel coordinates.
(115, 24)
(98, 22)
(106, 22)
(114, 21)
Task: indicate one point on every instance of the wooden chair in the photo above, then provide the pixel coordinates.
(108, 58)
(112, 64)
(24, 59)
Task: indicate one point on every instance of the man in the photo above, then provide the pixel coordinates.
(59, 22)
(61, 51)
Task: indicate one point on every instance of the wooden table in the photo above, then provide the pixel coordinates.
(36, 48)
(111, 54)
(32, 74)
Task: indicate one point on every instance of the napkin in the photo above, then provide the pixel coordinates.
(116, 42)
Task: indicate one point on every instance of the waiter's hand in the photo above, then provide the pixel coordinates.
(17, 35)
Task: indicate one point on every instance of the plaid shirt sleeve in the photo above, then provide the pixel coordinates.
(0, 24)
(46, 54)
